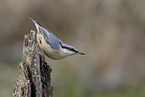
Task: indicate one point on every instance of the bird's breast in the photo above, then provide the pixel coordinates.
(52, 53)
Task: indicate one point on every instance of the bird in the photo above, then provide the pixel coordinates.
(52, 46)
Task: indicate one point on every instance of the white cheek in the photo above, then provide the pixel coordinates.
(67, 51)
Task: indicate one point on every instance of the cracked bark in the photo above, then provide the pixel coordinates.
(34, 79)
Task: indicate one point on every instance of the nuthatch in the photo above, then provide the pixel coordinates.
(52, 46)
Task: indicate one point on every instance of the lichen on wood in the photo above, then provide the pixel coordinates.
(34, 79)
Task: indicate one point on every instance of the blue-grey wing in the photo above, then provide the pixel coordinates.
(54, 42)
(51, 39)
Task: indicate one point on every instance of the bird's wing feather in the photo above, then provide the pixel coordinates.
(51, 39)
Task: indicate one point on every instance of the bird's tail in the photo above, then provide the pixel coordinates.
(36, 24)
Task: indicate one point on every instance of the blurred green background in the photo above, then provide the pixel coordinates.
(110, 32)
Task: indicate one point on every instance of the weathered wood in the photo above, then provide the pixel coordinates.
(34, 79)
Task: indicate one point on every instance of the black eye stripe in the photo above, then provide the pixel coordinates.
(71, 49)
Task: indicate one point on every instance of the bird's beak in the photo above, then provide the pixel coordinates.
(80, 53)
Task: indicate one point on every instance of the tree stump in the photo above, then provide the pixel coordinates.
(34, 79)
